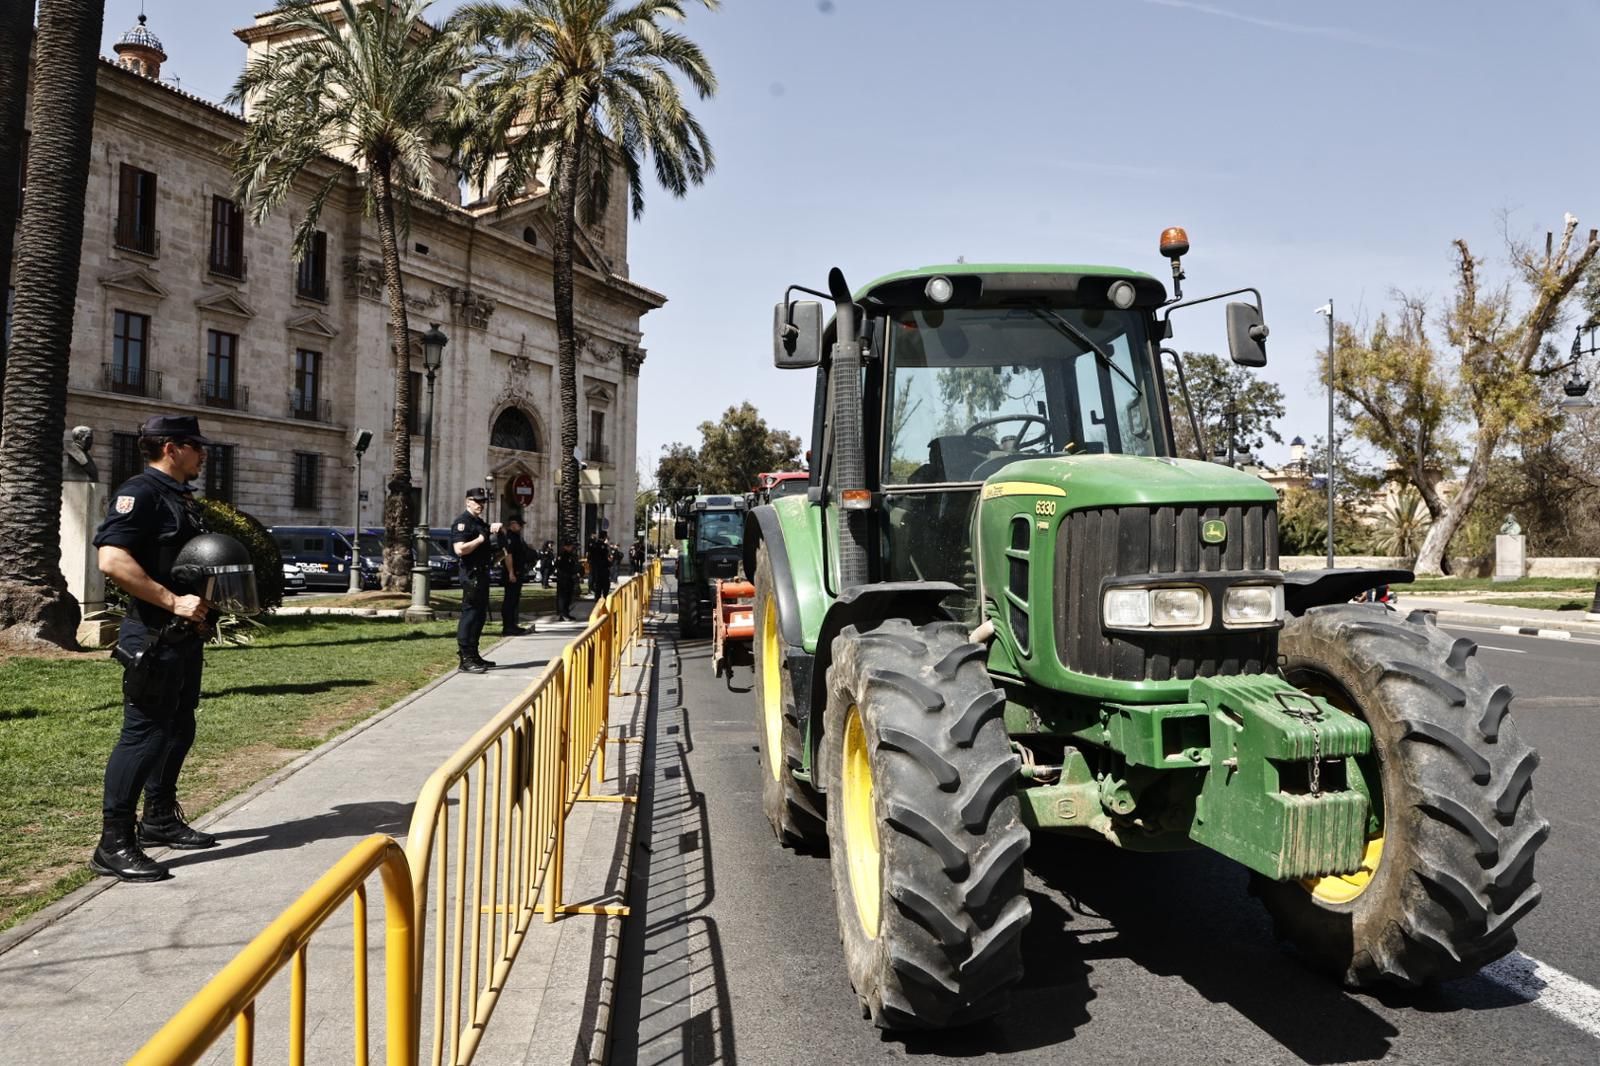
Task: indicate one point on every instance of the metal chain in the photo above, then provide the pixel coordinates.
(1311, 715)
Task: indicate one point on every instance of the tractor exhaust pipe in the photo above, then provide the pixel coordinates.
(849, 463)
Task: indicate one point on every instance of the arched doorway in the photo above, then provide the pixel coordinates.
(516, 432)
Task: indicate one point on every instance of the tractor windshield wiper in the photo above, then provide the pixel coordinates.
(1064, 325)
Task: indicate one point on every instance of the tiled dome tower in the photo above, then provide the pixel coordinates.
(140, 51)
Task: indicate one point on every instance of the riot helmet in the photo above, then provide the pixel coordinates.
(217, 568)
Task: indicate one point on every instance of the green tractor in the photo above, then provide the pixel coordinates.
(1005, 608)
(709, 531)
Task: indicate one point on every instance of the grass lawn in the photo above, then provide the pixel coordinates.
(534, 601)
(303, 681)
(1487, 584)
(1540, 603)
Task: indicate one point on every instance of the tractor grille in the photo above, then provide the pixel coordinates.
(1139, 541)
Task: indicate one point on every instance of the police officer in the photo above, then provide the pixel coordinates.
(471, 537)
(568, 570)
(160, 644)
(518, 558)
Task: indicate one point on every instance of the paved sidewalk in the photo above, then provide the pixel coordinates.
(95, 976)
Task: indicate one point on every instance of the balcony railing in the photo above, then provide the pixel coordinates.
(598, 453)
(132, 380)
(229, 268)
(222, 394)
(146, 241)
(312, 289)
(309, 408)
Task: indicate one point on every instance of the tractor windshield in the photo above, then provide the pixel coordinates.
(719, 529)
(972, 389)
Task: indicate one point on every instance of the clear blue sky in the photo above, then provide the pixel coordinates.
(1313, 151)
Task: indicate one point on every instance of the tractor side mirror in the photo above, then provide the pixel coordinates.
(797, 335)
(1247, 335)
(680, 530)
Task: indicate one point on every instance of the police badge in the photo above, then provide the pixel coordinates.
(124, 504)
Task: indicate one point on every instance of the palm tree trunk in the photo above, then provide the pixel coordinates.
(16, 35)
(34, 602)
(566, 340)
(397, 520)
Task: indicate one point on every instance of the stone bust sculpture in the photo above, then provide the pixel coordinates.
(77, 460)
(1510, 527)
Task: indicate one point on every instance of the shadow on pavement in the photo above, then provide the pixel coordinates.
(353, 820)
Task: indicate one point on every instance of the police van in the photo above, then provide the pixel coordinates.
(321, 552)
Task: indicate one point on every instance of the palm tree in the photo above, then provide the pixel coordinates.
(16, 35)
(586, 87)
(381, 87)
(1403, 522)
(34, 601)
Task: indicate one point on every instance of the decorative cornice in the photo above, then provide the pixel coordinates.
(470, 307)
(138, 281)
(314, 325)
(226, 303)
(632, 360)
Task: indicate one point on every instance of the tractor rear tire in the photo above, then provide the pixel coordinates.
(925, 837)
(1454, 868)
(793, 808)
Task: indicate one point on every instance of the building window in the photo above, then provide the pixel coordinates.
(305, 479)
(125, 458)
(597, 437)
(127, 372)
(219, 472)
(311, 277)
(306, 397)
(218, 387)
(414, 419)
(136, 211)
(513, 429)
(227, 237)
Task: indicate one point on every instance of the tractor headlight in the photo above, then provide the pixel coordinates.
(1183, 608)
(1122, 295)
(1127, 608)
(1252, 605)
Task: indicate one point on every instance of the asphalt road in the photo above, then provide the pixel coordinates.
(1130, 958)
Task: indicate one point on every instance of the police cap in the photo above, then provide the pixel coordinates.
(476, 493)
(180, 427)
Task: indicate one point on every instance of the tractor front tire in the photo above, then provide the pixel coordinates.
(1451, 871)
(925, 837)
(793, 808)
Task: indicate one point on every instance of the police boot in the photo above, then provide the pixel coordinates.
(119, 856)
(487, 664)
(163, 824)
(471, 665)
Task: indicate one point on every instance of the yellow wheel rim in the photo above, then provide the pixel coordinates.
(771, 688)
(860, 824)
(1346, 887)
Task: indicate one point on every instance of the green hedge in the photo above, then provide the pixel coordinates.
(221, 518)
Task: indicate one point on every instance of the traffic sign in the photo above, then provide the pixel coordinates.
(522, 489)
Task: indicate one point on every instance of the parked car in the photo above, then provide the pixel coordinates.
(321, 552)
(293, 580)
(444, 570)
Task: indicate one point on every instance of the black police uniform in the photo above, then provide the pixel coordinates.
(152, 516)
(522, 557)
(474, 583)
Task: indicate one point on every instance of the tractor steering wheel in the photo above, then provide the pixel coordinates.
(1023, 443)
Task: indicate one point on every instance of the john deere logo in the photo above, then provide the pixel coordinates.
(1215, 531)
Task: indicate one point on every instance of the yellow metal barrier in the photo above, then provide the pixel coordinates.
(492, 863)
(229, 998)
(489, 829)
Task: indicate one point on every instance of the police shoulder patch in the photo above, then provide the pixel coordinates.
(461, 527)
(125, 504)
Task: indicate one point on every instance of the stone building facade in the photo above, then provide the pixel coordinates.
(183, 305)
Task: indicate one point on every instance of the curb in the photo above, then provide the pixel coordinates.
(1535, 631)
(611, 948)
(64, 906)
(1498, 621)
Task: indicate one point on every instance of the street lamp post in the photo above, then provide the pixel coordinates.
(433, 343)
(363, 438)
(1577, 399)
(1332, 451)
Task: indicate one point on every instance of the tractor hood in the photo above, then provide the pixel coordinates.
(1115, 480)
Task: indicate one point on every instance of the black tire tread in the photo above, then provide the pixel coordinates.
(949, 939)
(1461, 828)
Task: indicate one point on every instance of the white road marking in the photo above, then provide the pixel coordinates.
(1496, 647)
(1563, 995)
(1462, 626)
